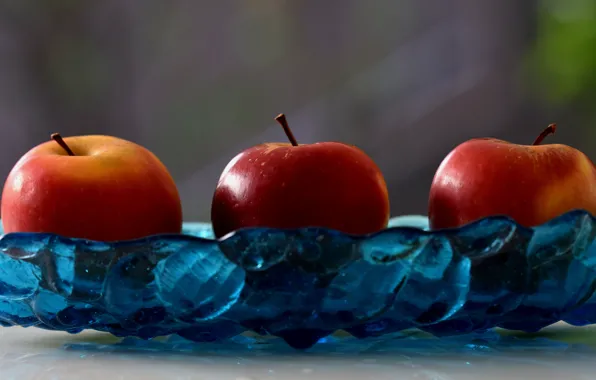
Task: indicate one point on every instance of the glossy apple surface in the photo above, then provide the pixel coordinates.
(111, 189)
(531, 184)
(327, 184)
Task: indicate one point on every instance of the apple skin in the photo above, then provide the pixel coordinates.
(531, 184)
(328, 184)
(112, 189)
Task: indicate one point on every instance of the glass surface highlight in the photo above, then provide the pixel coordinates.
(303, 285)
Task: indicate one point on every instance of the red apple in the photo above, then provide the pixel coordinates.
(531, 184)
(93, 187)
(279, 185)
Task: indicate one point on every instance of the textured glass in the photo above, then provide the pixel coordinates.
(305, 284)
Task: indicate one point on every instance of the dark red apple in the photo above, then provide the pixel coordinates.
(280, 185)
(531, 184)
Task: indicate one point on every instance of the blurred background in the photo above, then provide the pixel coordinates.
(198, 81)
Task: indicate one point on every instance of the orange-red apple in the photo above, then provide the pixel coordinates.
(93, 187)
(279, 185)
(531, 184)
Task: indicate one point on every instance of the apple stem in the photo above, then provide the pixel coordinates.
(56, 137)
(550, 130)
(281, 119)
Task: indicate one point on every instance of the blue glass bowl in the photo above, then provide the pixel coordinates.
(303, 285)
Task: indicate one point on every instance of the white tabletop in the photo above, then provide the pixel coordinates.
(561, 352)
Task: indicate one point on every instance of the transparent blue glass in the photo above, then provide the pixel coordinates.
(303, 285)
